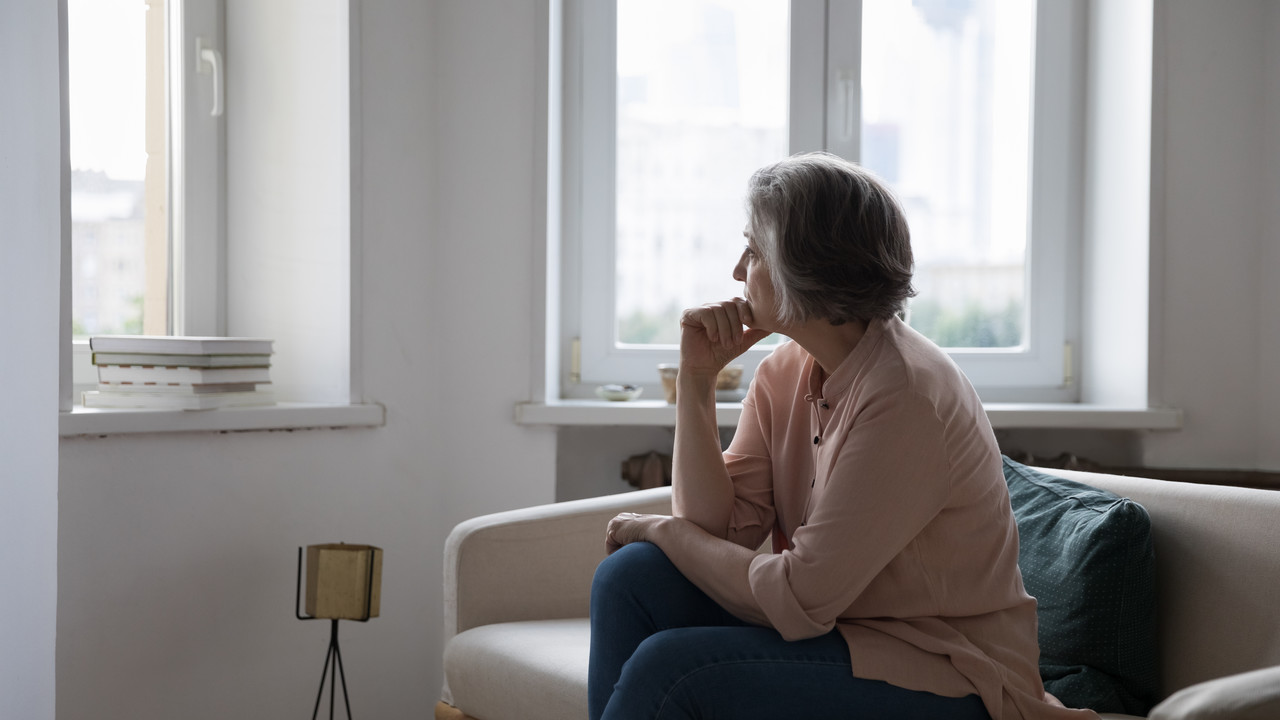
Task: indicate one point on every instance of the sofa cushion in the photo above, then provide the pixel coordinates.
(1086, 556)
(532, 670)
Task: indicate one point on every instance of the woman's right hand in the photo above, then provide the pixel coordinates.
(712, 335)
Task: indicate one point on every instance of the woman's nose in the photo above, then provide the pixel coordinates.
(740, 270)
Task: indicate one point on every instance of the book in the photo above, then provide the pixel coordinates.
(172, 360)
(188, 389)
(180, 344)
(174, 401)
(177, 375)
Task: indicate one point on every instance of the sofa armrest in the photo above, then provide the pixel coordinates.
(534, 563)
(1248, 696)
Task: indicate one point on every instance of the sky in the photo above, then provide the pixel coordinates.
(107, 61)
(651, 30)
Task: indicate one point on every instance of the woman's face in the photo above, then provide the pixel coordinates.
(758, 286)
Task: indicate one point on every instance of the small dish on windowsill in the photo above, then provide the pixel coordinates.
(618, 393)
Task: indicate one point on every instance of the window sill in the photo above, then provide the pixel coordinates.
(1002, 415)
(281, 416)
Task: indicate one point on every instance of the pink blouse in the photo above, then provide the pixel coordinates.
(885, 482)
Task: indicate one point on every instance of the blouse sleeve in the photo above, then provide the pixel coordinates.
(751, 470)
(889, 479)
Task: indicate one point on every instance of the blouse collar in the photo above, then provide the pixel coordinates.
(839, 382)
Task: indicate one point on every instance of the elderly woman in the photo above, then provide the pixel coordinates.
(893, 588)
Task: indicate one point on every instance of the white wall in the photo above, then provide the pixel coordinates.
(1114, 357)
(177, 566)
(482, 284)
(31, 245)
(1216, 151)
(177, 553)
(1268, 385)
(288, 189)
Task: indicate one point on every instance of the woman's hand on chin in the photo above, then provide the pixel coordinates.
(712, 335)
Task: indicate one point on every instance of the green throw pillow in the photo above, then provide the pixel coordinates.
(1086, 557)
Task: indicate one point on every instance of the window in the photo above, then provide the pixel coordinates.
(146, 138)
(701, 103)
(147, 187)
(261, 199)
(946, 120)
(119, 197)
(960, 106)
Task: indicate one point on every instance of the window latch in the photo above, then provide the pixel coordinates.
(209, 60)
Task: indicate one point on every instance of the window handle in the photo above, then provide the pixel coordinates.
(210, 60)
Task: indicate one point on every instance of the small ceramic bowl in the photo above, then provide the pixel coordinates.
(618, 393)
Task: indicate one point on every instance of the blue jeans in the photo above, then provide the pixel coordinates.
(660, 648)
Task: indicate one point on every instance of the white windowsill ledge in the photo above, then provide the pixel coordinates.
(1002, 415)
(281, 416)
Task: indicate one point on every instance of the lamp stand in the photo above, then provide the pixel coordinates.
(333, 658)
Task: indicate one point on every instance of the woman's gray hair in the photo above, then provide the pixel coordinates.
(834, 239)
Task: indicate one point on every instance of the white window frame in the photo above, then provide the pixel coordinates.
(198, 168)
(825, 66)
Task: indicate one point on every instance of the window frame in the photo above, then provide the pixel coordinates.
(822, 62)
(198, 170)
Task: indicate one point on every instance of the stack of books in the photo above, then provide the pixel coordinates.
(180, 372)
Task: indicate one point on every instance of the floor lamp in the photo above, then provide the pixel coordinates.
(343, 583)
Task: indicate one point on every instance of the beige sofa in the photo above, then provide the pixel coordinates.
(516, 588)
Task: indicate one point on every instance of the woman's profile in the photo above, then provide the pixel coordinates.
(864, 457)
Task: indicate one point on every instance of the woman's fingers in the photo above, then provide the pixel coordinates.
(744, 311)
(723, 322)
(729, 330)
(624, 529)
(693, 318)
(713, 335)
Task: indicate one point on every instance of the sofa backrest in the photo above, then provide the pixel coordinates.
(1217, 555)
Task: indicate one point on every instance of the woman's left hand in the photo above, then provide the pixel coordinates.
(627, 528)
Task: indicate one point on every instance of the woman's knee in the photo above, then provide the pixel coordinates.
(632, 566)
(666, 651)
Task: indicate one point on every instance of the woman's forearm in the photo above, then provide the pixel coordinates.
(718, 567)
(702, 491)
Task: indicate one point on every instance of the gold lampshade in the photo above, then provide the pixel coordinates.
(344, 582)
